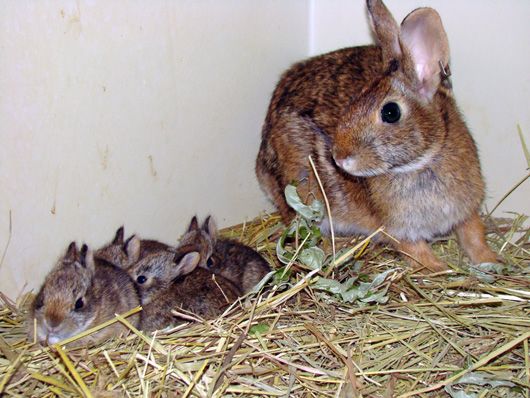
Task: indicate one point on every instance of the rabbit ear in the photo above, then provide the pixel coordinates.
(132, 248)
(118, 238)
(86, 258)
(210, 227)
(386, 30)
(187, 264)
(423, 34)
(194, 224)
(71, 252)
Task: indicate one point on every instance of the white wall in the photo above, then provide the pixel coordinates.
(145, 113)
(490, 47)
(142, 113)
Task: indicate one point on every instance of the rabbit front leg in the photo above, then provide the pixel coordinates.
(420, 255)
(472, 238)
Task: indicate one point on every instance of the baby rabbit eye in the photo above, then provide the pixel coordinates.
(79, 303)
(210, 262)
(141, 279)
(390, 113)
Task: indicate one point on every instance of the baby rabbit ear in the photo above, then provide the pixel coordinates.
(188, 263)
(118, 238)
(210, 227)
(86, 258)
(132, 248)
(71, 252)
(194, 224)
(386, 30)
(423, 34)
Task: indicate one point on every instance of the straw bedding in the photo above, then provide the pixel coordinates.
(463, 333)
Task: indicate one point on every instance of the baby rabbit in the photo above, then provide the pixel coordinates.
(386, 137)
(123, 254)
(171, 280)
(81, 292)
(230, 259)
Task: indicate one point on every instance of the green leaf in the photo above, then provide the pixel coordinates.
(328, 285)
(482, 379)
(281, 276)
(363, 292)
(380, 279)
(364, 277)
(344, 290)
(379, 297)
(483, 272)
(351, 295)
(259, 328)
(476, 378)
(313, 257)
(364, 288)
(305, 230)
(283, 255)
(312, 213)
(357, 268)
(315, 230)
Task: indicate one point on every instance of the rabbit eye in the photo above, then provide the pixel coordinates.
(210, 262)
(390, 113)
(141, 279)
(79, 303)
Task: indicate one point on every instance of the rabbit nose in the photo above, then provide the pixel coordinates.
(348, 164)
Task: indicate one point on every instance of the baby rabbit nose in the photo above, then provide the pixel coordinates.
(53, 322)
(349, 163)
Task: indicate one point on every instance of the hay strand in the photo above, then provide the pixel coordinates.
(71, 368)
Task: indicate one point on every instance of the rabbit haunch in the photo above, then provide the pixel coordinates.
(81, 292)
(386, 136)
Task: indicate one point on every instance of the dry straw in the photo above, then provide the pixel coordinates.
(292, 340)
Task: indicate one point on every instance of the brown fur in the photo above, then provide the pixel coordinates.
(419, 177)
(124, 253)
(103, 288)
(197, 239)
(173, 281)
(228, 258)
